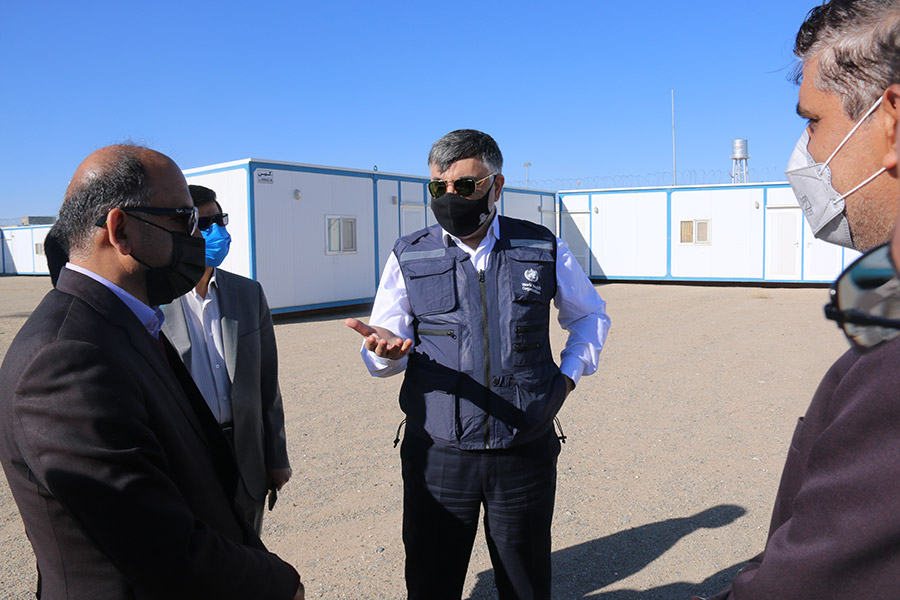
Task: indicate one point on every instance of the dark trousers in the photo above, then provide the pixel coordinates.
(443, 491)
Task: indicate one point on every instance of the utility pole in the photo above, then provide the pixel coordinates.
(526, 165)
(674, 164)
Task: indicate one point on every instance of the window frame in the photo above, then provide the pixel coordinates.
(342, 222)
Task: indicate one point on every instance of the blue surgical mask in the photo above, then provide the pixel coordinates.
(218, 240)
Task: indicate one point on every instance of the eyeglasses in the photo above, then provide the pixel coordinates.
(188, 214)
(204, 223)
(464, 186)
(865, 299)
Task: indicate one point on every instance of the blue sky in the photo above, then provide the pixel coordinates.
(582, 90)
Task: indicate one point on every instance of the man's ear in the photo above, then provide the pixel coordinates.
(499, 180)
(116, 231)
(891, 103)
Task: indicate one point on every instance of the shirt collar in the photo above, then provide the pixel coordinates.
(151, 317)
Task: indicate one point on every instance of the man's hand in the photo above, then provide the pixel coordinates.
(278, 477)
(383, 342)
(301, 593)
(570, 385)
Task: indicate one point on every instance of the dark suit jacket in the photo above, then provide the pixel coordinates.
(251, 359)
(126, 490)
(835, 530)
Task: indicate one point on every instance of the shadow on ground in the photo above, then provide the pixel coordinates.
(584, 570)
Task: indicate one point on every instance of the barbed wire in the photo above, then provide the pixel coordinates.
(655, 179)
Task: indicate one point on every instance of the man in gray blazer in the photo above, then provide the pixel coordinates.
(222, 329)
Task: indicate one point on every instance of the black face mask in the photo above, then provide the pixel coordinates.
(461, 216)
(183, 272)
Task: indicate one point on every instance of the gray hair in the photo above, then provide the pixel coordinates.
(462, 144)
(121, 183)
(857, 43)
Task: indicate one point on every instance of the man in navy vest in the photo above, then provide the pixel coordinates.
(464, 308)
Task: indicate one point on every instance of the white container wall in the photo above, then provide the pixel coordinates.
(318, 237)
(751, 232)
(22, 250)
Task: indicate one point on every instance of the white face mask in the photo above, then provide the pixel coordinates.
(822, 205)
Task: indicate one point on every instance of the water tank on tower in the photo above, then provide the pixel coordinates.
(740, 168)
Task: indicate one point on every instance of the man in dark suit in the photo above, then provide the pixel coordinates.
(835, 527)
(223, 332)
(124, 482)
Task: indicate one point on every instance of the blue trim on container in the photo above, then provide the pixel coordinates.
(303, 307)
(2, 251)
(802, 249)
(31, 227)
(251, 220)
(705, 279)
(765, 239)
(375, 210)
(220, 170)
(590, 245)
(399, 209)
(528, 191)
(670, 188)
(669, 240)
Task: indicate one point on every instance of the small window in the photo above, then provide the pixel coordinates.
(696, 232)
(348, 235)
(687, 232)
(39, 248)
(340, 235)
(702, 236)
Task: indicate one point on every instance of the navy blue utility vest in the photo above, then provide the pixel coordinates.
(481, 375)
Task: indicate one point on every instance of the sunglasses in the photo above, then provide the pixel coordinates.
(188, 214)
(204, 223)
(464, 186)
(865, 299)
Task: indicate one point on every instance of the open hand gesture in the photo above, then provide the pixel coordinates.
(383, 342)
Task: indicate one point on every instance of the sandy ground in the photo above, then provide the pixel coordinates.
(674, 451)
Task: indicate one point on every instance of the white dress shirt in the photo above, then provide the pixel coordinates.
(581, 310)
(208, 350)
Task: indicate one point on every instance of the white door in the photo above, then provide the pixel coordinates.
(783, 252)
(821, 261)
(412, 219)
(576, 229)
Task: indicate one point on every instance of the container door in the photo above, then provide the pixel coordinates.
(576, 232)
(412, 219)
(783, 252)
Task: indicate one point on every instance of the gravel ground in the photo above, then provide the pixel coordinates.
(674, 451)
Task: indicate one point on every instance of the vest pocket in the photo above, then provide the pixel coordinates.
(531, 275)
(430, 286)
(438, 345)
(540, 393)
(530, 343)
(430, 398)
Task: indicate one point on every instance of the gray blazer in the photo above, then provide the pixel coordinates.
(251, 358)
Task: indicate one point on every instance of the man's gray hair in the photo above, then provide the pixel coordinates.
(462, 144)
(120, 184)
(857, 44)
